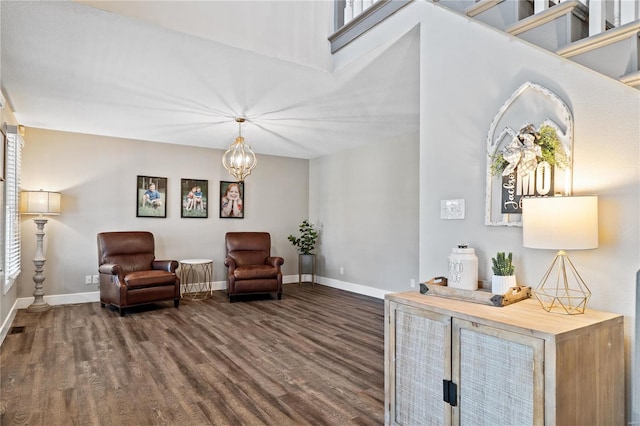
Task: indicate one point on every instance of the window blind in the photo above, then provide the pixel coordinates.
(12, 201)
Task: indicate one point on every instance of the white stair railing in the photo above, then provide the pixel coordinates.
(603, 14)
(606, 14)
(353, 8)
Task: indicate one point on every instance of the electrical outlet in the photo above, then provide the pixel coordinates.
(87, 279)
(413, 283)
(95, 279)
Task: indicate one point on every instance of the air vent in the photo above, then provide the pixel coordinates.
(17, 330)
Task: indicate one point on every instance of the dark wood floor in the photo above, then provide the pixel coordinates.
(314, 357)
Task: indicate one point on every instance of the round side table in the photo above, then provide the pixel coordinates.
(196, 277)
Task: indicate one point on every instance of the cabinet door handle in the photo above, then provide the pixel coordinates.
(450, 392)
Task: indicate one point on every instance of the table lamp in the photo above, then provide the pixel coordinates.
(561, 223)
(40, 203)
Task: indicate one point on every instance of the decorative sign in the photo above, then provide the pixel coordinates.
(535, 160)
(538, 183)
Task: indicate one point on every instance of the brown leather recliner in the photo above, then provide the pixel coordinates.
(130, 275)
(252, 269)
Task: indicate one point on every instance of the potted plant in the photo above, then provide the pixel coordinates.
(503, 273)
(305, 243)
(307, 240)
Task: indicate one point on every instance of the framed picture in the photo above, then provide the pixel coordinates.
(232, 202)
(151, 196)
(194, 200)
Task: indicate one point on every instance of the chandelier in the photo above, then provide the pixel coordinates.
(239, 159)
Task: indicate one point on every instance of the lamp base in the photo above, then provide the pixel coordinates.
(567, 293)
(38, 307)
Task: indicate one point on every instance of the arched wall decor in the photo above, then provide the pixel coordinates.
(531, 111)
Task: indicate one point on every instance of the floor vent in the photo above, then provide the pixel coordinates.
(16, 330)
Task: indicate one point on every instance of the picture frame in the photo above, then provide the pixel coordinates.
(530, 107)
(151, 196)
(194, 198)
(232, 200)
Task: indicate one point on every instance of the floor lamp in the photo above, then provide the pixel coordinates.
(40, 203)
(561, 223)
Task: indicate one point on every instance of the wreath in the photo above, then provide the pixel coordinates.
(527, 149)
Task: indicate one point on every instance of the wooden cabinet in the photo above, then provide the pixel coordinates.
(516, 364)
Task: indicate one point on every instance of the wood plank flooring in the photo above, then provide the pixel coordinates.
(313, 358)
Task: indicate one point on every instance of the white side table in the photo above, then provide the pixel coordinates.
(196, 277)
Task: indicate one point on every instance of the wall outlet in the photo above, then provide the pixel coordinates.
(87, 279)
(95, 279)
(341, 270)
(413, 283)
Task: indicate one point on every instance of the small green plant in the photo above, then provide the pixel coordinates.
(307, 240)
(503, 264)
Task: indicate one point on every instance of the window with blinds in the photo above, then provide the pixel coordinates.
(12, 202)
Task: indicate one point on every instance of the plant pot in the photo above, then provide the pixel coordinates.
(307, 266)
(502, 284)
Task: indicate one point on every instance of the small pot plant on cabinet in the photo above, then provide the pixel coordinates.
(305, 243)
(503, 273)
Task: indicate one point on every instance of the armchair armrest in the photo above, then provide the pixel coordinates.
(275, 261)
(230, 263)
(165, 265)
(110, 269)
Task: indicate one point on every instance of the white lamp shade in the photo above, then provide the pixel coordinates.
(40, 202)
(560, 223)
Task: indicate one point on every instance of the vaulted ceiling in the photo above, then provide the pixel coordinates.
(180, 72)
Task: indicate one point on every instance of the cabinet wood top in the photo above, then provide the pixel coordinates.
(527, 314)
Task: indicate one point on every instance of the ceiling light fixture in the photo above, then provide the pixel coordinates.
(239, 159)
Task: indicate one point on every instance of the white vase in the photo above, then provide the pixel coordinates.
(502, 284)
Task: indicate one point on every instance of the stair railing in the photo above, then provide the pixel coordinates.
(353, 8)
(603, 14)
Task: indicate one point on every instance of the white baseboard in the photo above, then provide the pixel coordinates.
(353, 288)
(94, 296)
(6, 325)
(61, 299)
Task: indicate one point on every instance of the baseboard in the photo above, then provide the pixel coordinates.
(6, 325)
(61, 299)
(353, 288)
(94, 296)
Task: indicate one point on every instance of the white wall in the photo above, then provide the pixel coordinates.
(97, 178)
(467, 71)
(461, 93)
(365, 202)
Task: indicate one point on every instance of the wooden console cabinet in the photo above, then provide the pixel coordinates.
(453, 362)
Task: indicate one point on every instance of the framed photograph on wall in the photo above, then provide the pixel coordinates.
(151, 196)
(194, 199)
(232, 201)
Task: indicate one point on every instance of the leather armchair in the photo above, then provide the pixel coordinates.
(130, 275)
(251, 268)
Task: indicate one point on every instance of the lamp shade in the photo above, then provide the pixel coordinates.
(560, 223)
(40, 202)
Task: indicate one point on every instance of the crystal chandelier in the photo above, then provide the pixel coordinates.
(239, 159)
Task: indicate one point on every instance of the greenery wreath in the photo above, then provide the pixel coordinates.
(546, 138)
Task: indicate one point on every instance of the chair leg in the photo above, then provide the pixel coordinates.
(176, 302)
(102, 305)
(279, 296)
(121, 312)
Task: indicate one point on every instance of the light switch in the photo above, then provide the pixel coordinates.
(452, 209)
